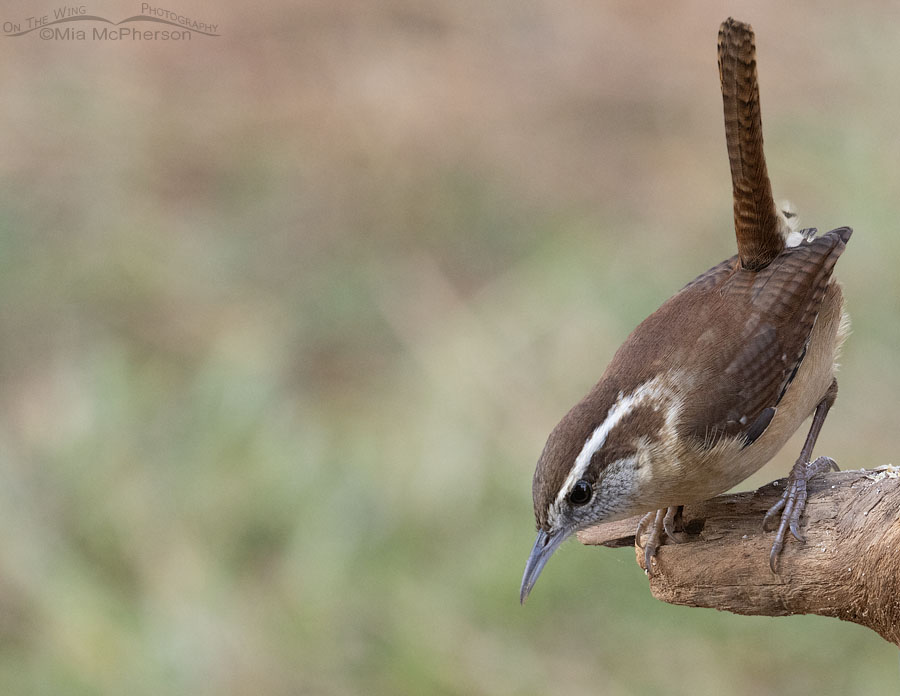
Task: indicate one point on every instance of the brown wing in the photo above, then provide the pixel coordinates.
(756, 223)
(771, 314)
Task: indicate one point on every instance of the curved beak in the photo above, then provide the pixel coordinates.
(544, 546)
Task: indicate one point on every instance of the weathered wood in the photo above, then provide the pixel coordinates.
(848, 568)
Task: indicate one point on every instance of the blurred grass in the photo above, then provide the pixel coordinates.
(289, 313)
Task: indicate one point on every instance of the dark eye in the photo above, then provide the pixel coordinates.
(581, 493)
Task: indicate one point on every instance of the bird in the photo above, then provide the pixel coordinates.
(709, 387)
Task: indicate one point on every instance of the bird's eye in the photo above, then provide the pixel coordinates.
(581, 493)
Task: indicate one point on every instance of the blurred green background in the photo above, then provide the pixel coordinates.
(287, 315)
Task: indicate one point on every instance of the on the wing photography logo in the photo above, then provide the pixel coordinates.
(75, 23)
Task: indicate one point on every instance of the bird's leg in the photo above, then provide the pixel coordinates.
(657, 522)
(793, 500)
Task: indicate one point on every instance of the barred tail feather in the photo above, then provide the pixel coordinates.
(760, 230)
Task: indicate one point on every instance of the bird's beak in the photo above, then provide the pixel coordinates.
(544, 546)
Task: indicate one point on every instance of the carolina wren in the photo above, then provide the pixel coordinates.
(712, 384)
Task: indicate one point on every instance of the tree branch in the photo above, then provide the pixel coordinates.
(848, 568)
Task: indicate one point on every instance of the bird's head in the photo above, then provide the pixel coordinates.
(595, 465)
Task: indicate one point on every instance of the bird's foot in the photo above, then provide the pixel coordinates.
(657, 522)
(792, 502)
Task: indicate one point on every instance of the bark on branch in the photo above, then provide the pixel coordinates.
(848, 568)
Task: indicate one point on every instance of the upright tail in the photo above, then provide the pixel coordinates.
(760, 230)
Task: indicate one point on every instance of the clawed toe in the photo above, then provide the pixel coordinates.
(792, 503)
(672, 514)
(658, 522)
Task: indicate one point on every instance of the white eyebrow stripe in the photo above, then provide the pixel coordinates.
(595, 442)
(623, 406)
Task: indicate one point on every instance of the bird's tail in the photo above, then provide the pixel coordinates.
(760, 230)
